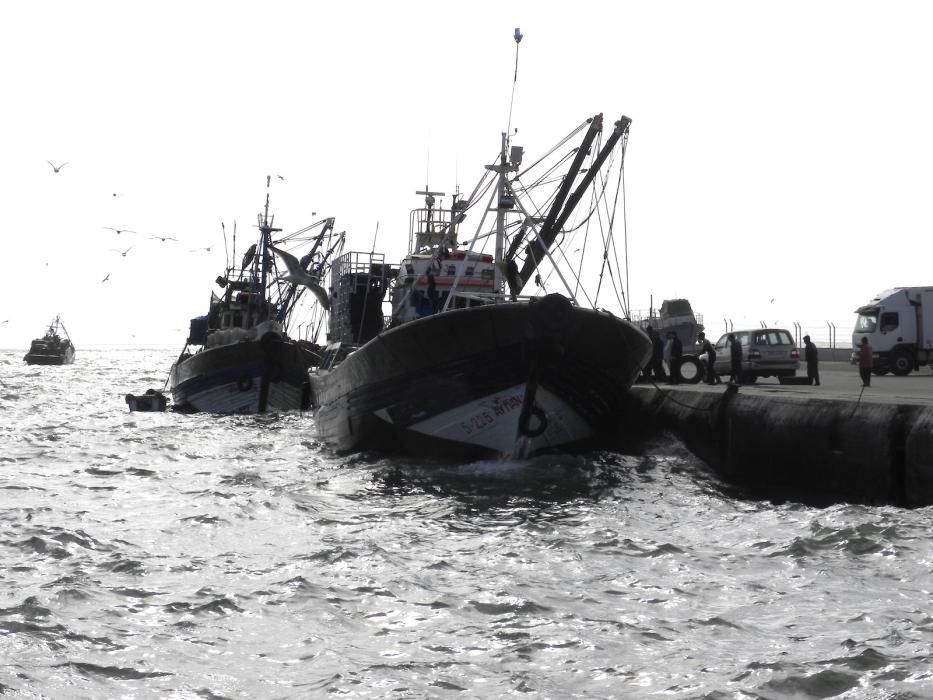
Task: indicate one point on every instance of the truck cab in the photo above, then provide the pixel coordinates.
(899, 326)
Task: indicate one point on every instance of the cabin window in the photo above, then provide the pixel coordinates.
(889, 321)
(237, 319)
(487, 274)
(469, 272)
(452, 270)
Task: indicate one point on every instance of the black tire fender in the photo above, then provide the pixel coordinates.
(554, 312)
(698, 366)
(268, 340)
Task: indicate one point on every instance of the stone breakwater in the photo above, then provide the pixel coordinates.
(816, 450)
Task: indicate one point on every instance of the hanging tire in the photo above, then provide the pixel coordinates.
(523, 423)
(691, 369)
(305, 396)
(901, 363)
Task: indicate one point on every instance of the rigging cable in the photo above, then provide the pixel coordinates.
(628, 294)
(620, 188)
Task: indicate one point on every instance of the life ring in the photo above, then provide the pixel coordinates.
(532, 432)
(244, 383)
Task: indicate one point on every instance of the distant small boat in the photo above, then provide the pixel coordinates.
(152, 400)
(54, 348)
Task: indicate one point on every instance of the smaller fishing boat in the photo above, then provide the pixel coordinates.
(54, 348)
(240, 357)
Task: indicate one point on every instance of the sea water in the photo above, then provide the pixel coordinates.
(160, 555)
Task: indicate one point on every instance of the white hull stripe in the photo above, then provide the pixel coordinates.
(492, 422)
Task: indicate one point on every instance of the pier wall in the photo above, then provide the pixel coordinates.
(814, 450)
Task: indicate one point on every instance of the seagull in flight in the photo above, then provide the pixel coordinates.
(120, 230)
(56, 168)
(105, 278)
(208, 249)
(162, 238)
(298, 275)
(123, 252)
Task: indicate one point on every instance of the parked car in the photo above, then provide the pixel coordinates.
(766, 352)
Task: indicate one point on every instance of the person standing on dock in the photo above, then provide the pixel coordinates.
(735, 357)
(657, 354)
(677, 351)
(812, 356)
(866, 360)
(706, 347)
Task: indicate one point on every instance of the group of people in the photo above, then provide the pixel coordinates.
(735, 359)
(669, 351)
(811, 355)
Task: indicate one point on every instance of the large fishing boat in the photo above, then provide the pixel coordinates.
(240, 358)
(54, 348)
(469, 364)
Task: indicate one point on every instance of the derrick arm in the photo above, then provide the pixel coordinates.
(563, 206)
(294, 290)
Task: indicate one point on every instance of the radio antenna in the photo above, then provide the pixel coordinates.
(518, 40)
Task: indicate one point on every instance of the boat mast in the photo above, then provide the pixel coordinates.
(500, 213)
(505, 201)
(266, 230)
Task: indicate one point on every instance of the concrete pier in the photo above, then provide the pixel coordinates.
(816, 444)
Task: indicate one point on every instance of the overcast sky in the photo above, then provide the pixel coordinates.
(779, 162)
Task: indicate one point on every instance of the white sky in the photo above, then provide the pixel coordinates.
(778, 151)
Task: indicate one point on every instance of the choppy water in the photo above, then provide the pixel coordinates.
(171, 556)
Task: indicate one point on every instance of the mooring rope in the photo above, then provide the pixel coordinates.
(730, 389)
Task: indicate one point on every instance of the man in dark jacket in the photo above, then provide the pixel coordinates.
(677, 352)
(657, 353)
(866, 361)
(812, 356)
(706, 347)
(735, 357)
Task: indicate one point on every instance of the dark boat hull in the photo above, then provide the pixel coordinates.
(250, 376)
(65, 357)
(456, 384)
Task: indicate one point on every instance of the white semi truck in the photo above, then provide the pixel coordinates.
(899, 325)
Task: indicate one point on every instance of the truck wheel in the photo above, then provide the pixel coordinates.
(691, 370)
(902, 363)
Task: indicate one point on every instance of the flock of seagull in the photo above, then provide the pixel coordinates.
(296, 273)
(122, 231)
